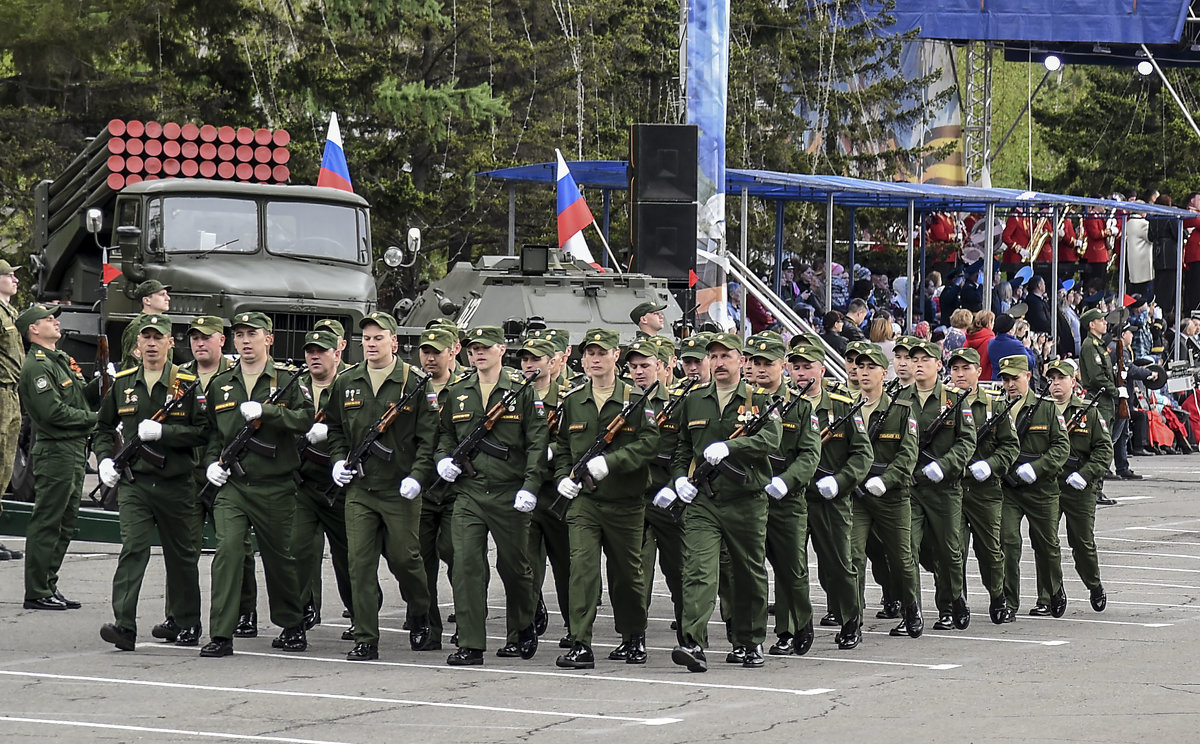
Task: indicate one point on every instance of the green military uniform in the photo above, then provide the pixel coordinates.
(265, 498)
(59, 405)
(12, 354)
(662, 535)
(1096, 370)
(484, 503)
(156, 497)
(1045, 446)
(547, 533)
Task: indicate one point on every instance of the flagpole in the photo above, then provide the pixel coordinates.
(611, 255)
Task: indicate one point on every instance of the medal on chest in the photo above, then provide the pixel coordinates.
(462, 402)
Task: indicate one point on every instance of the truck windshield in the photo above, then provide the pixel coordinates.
(323, 231)
(192, 224)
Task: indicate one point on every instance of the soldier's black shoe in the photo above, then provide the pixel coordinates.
(167, 630)
(294, 639)
(690, 656)
(70, 603)
(1058, 603)
(851, 634)
(348, 633)
(465, 657)
(1099, 599)
(914, 622)
(122, 638)
(277, 641)
(312, 618)
(189, 636)
(45, 603)
(567, 641)
(454, 639)
(997, 608)
(620, 653)
(736, 656)
(527, 642)
(674, 625)
(579, 657)
(754, 657)
(1040, 610)
(961, 613)
(637, 650)
(830, 621)
(420, 635)
(541, 618)
(508, 651)
(899, 630)
(785, 646)
(452, 618)
(804, 640)
(771, 609)
(890, 611)
(1128, 475)
(247, 625)
(217, 647)
(945, 622)
(5, 553)
(1010, 615)
(363, 652)
(1103, 500)
(15, 555)
(346, 614)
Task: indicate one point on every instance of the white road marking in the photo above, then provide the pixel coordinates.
(173, 732)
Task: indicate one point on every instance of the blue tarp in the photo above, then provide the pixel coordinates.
(1091, 21)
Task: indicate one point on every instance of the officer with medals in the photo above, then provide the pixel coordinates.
(612, 516)
(497, 500)
(1091, 450)
(154, 494)
(728, 511)
(265, 497)
(845, 461)
(996, 449)
(1031, 488)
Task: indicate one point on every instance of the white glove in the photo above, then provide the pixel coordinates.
(251, 410)
(933, 472)
(1026, 473)
(549, 454)
(410, 488)
(448, 470)
(828, 487)
(111, 369)
(216, 474)
(980, 470)
(875, 486)
(598, 467)
(1074, 480)
(716, 452)
(149, 430)
(1122, 392)
(525, 501)
(685, 490)
(318, 433)
(776, 489)
(664, 497)
(341, 475)
(569, 488)
(108, 472)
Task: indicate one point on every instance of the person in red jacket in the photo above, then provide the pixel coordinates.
(1098, 227)
(1016, 239)
(1068, 255)
(979, 335)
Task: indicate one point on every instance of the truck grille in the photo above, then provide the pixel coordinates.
(290, 330)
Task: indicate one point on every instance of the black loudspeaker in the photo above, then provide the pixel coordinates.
(664, 235)
(663, 162)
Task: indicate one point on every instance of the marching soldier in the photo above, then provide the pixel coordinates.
(693, 355)
(1031, 488)
(265, 497)
(844, 463)
(611, 517)
(1091, 449)
(156, 494)
(12, 352)
(156, 300)
(59, 404)
(497, 499)
(996, 450)
(733, 514)
(382, 510)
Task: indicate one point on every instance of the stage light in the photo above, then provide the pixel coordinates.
(1052, 63)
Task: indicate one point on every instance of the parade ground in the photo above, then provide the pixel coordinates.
(1123, 675)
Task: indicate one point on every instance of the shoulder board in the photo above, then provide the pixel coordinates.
(760, 391)
(841, 398)
(563, 395)
(127, 372)
(349, 368)
(953, 390)
(227, 372)
(39, 354)
(185, 376)
(286, 367)
(1046, 398)
(993, 392)
(516, 377)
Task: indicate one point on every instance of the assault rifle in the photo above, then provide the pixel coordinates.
(1073, 460)
(477, 440)
(930, 431)
(134, 446)
(663, 459)
(779, 462)
(1026, 420)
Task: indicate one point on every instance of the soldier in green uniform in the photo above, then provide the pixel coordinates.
(612, 516)
(996, 450)
(946, 448)
(881, 505)
(1091, 450)
(844, 464)
(12, 352)
(156, 495)
(727, 511)
(1097, 377)
(339, 331)
(649, 318)
(59, 404)
(265, 497)
(1031, 487)
(497, 499)
(156, 299)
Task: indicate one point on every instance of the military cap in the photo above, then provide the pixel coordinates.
(149, 287)
(854, 348)
(665, 346)
(770, 334)
(538, 347)
(808, 339)
(694, 347)
(905, 342)
(873, 353)
(6, 268)
(446, 323)
(34, 313)
(324, 338)
(485, 335)
(765, 346)
(927, 347)
(155, 321)
(331, 325)
(253, 320)
(438, 338)
(207, 325)
(605, 338)
(645, 308)
(1091, 315)
(645, 347)
(381, 319)
(808, 352)
(1064, 367)
(1014, 365)
(730, 341)
(560, 338)
(965, 353)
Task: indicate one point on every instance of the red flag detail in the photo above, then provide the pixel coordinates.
(692, 278)
(108, 273)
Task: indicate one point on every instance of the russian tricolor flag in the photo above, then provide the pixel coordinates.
(335, 173)
(573, 215)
